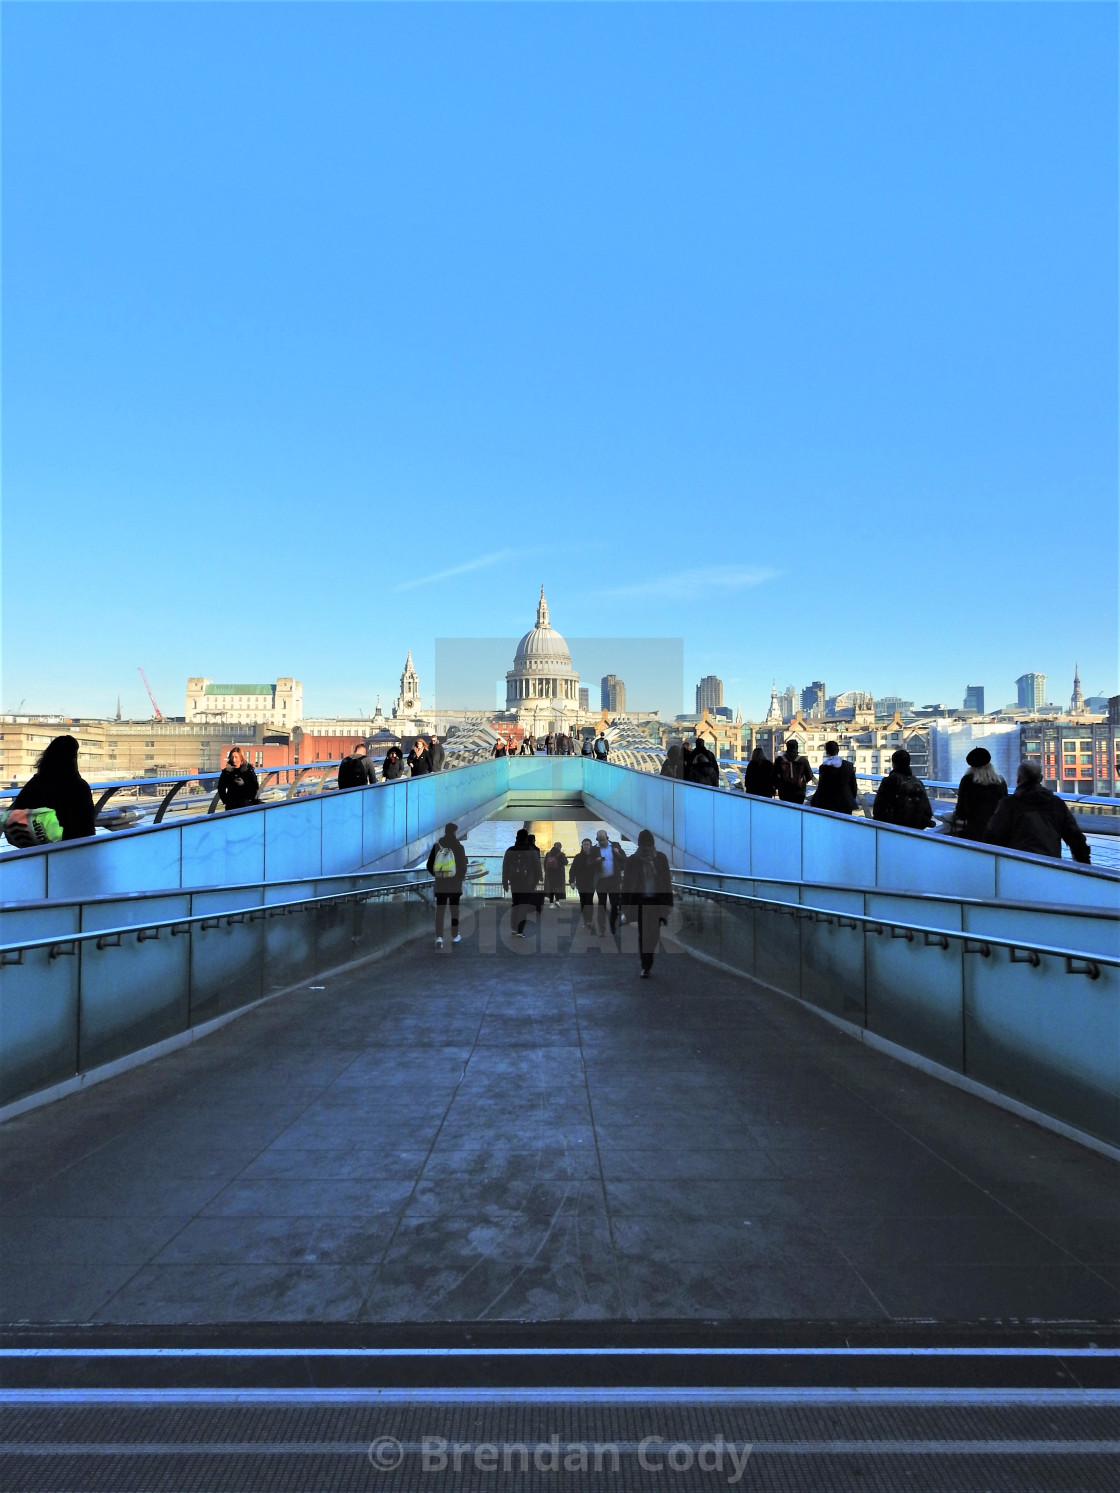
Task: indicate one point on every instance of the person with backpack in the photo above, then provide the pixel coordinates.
(584, 869)
(356, 770)
(436, 755)
(610, 858)
(447, 864)
(586, 750)
(555, 864)
(521, 876)
(647, 886)
(836, 782)
(602, 747)
(56, 802)
(979, 794)
(901, 798)
(392, 766)
(758, 775)
(1035, 820)
(237, 786)
(792, 774)
(702, 765)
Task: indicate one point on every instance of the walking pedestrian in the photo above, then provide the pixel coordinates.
(356, 770)
(901, 798)
(602, 747)
(499, 749)
(436, 754)
(1035, 820)
(392, 766)
(702, 765)
(555, 864)
(581, 875)
(447, 863)
(673, 766)
(647, 886)
(521, 876)
(836, 782)
(759, 775)
(586, 750)
(793, 774)
(979, 794)
(55, 803)
(419, 763)
(611, 858)
(549, 742)
(237, 786)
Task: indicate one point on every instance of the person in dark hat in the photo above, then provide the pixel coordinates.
(979, 795)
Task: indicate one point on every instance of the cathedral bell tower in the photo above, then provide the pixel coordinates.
(408, 701)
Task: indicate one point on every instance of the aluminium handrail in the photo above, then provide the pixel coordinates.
(229, 915)
(982, 941)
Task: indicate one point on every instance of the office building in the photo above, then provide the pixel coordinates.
(1075, 756)
(974, 698)
(709, 694)
(1031, 691)
(612, 694)
(279, 705)
(584, 698)
(812, 700)
(787, 703)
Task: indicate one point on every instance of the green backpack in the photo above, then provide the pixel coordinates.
(26, 828)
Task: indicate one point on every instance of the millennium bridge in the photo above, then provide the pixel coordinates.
(280, 1178)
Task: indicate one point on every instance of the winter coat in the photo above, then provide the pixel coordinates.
(976, 803)
(356, 771)
(448, 883)
(901, 799)
(437, 756)
(791, 778)
(646, 879)
(238, 786)
(672, 767)
(836, 787)
(521, 868)
(702, 768)
(70, 797)
(1037, 821)
(393, 765)
(584, 870)
(604, 883)
(419, 762)
(555, 864)
(758, 778)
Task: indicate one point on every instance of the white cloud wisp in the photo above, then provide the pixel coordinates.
(692, 585)
(468, 565)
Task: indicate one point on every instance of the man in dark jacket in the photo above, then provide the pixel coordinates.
(901, 798)
(647, 886)
(836, 782)
(521, 876)
(702, 766)
(792, 774)
(1035, 820)
(237, 786)
(610, 859)
(436, 754)
(356, 770)
(447, 863)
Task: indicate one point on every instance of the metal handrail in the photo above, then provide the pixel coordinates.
(975, 943)
(198, 891)
(229, 915)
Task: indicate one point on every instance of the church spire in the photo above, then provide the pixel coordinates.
(1077, 701)
(542, 610)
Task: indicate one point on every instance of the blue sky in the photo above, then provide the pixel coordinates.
(790, 330)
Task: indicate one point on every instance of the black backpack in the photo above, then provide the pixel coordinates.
(911, 805)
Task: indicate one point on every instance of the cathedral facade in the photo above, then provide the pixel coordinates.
(542, 688)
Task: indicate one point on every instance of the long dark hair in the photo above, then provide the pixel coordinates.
(60, 758)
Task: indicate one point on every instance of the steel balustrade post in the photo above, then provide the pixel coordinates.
(162, 810)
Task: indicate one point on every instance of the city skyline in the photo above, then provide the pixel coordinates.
(807, 372)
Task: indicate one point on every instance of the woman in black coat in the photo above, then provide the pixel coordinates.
(393, 765)
(419, 762)
(57, 784)
(583, 874)
(522, 875)
(979, 795)
(673, 766)
(237, 786)
(758, 777)
(647, 885)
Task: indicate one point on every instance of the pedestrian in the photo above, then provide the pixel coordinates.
(581, 875)
(836, 782)
(237, 786)
(55, 803)
(702, 765)
(979, 794)
(419, 763)
(356, 770)
(521, 876)
(436, 755)
(392, 766)
(759, 775)
(611, 858)
(647, 885)
(586, 750)
(447, 863)
(555, 864)
(793, 774)
(901, 798)
(1035, 820)
(499, 748)
(548, 744)
(673, 766)
(602, 747)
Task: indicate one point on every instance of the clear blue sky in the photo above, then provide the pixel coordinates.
(790, 329)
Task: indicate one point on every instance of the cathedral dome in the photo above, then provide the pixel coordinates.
(542, 680)
(542, 647)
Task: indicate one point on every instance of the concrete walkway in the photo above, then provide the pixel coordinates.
(518, 1136)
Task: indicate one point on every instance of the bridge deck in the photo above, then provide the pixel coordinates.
(511, 1136)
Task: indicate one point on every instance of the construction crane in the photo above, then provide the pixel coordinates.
(148, 687)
